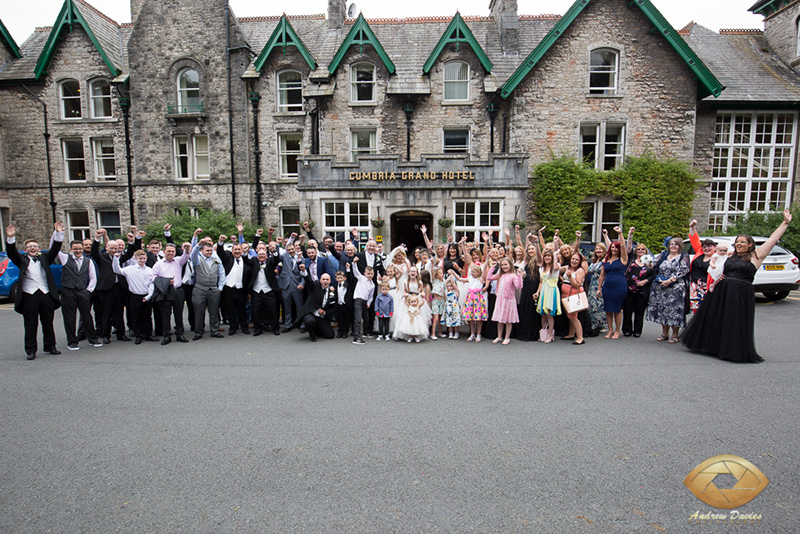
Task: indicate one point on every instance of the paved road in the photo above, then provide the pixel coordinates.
(281, 435)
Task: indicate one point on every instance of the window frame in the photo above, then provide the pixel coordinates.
(63, 100)
(183, 99)
(86, 230)
(107, 99)
(473, 231)
(284, 90)
(192, 157)
(357, 218)
(748, 170)
(456, 149)
(110, 229)
(285, 154)
(356, 150)
(67, 159)
(98, 157)
(601, 143)
(602, 69)
(449, 83)
(288, 229)
(355, 83)
(592, 230)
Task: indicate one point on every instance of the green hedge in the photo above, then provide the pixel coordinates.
(183, 224)
(763, 224)
(656, 195)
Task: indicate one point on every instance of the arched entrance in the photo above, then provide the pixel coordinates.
(405, 227)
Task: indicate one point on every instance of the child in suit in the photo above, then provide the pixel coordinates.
(344, 311)
(384, 309)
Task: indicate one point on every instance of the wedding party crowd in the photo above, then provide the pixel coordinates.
(531, 289)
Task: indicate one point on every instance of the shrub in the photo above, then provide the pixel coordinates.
(764, 223)
(184, 224)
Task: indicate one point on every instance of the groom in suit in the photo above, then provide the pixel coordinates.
(37, 294)
(291, 281)
(371, 258)
(318, 309)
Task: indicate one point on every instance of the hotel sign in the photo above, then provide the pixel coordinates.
(410, 175)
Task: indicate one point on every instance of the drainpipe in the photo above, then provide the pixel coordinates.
(47, 152)
(255, 97)
(408, 107)
(492, 109)
(505, 129)
(230, 105)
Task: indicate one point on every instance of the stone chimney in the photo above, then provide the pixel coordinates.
(136, 8)
(504, 13)
(337, 10)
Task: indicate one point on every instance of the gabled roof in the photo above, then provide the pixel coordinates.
(7, 40)
(768, 7)
(709, 85)
(283, 36)
(361, 34)
(71, 14)
(458, 32)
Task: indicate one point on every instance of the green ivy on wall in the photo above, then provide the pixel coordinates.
(656, 195)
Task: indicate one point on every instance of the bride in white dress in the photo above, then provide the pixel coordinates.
(413, 286)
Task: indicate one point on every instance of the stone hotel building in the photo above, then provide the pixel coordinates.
(343, 119)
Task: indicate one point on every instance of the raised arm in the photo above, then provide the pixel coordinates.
(623, 253)
(428, 244)
(766, 247)
(694, 238)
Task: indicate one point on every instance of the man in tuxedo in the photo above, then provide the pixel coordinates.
(238, 271)
(78, 280)
(371, 258)
(318, 309)
(109, 292)
(316, 265)
(37, 295)
(291, 281)
(263, 286)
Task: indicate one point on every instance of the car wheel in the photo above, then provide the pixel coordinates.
(776, 295)
(12, 293)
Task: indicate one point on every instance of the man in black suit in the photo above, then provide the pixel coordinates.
(318, 309)
(371, 258)
(111, 298)
(238, 271)
(37, 295)
(263, 287)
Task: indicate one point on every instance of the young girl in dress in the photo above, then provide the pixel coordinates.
(413, 324)
(437, 300)
(475, 310)
(547, 296)
(452, 314)
(505, 308)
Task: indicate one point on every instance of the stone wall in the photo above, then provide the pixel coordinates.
(780, 29)
(656, 97)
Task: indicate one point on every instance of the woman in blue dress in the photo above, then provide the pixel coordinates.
(613, 285)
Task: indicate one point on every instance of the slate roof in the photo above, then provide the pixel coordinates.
(742, 62)
(408, 42)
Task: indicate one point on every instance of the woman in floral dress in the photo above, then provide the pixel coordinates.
(596, 310)
(667, 305)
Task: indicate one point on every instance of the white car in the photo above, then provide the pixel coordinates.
(779, 272)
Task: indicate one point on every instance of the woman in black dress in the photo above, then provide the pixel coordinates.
(529, 319)
(724, 324)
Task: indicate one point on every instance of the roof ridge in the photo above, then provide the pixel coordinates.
(741, 31)
(272, 18)
(415, 20)
(98, 12)
(686, 30)
(548, 16)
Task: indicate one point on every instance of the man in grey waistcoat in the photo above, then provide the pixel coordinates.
(209, 279)
(78, 280)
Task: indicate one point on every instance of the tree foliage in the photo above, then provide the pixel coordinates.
(213, 223)
(764, 223)
(656, 195)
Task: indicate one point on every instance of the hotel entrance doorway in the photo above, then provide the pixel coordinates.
(406, 229)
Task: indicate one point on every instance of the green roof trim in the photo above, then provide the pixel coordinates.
(361, 34)
(458, 32)
(9, 41)
(709, 85)
(283, 36)
(68, 16)
(767, 7)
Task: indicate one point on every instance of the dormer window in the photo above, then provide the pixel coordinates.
(456, 81)
(290, 91)
(70, 91)
(603, 72)
(362, 83)
(189, 92)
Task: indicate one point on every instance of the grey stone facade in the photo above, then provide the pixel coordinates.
(185, 152)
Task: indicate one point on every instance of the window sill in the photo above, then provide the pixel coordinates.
(289, 114)
(365, 103)
(173, 116)
(457, 102)
(102, 119)
(603, 97)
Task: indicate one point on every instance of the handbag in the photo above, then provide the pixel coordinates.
(575, 303)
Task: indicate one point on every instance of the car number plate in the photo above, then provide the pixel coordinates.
(773, 267)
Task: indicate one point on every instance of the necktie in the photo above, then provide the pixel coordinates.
(237, 261)
(35, 258)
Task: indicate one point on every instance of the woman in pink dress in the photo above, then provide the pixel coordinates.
(505, 308)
